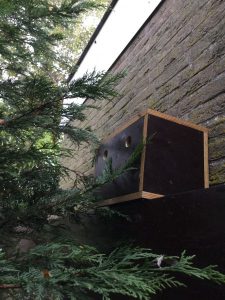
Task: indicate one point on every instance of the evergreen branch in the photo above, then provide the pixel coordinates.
(109, 174)
(42, 261)
(68, 268)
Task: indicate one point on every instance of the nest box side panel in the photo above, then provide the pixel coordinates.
(118, 149)
(174, 158)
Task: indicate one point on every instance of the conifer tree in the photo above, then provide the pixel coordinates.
(34, 262)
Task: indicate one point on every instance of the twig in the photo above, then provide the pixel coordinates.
(10, 286)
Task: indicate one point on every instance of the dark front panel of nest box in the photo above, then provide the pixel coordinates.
(174, 157)
(119, 148)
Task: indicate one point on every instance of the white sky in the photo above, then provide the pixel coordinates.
(122, 24)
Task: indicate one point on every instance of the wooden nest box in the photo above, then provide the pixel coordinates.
(174, 159)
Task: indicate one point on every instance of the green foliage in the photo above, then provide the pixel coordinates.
(37, 261)
(28, 31)
(8, 273)
(59, 270)
(109, 173)
(32, 104)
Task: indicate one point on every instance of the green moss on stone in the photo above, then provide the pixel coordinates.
(217, 174)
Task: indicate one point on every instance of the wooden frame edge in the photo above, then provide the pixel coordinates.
(129, 197)
(206, 159)
(124, 126)
(142, 166)
(150, 196)
(177, 120)
(119, 199)
(145, 114)
(157, 114)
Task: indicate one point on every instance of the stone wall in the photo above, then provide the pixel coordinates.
(176, 65)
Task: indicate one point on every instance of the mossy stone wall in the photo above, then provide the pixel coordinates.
(176, 65)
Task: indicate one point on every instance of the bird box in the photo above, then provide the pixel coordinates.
(174, 158)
